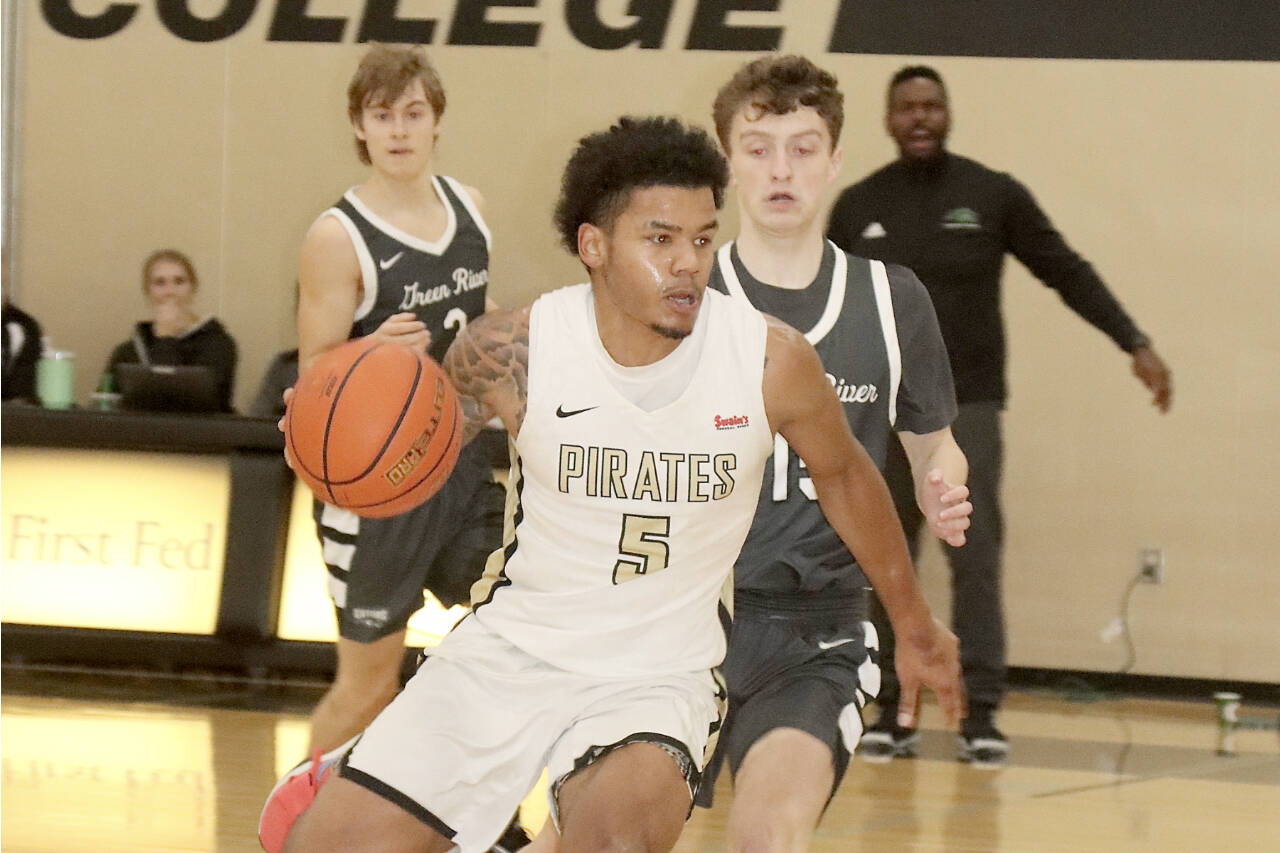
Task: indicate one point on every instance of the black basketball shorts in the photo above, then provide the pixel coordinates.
(379, 567)
(813, 675)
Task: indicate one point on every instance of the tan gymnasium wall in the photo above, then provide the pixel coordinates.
(1159, 172)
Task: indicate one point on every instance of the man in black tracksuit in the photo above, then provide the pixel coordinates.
(952, 220)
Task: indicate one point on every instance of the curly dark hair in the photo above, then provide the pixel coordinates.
(633, 154)
(776, 85)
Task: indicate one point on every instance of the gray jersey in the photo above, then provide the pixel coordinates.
(876, 332)
(378, 567)
(442, 282)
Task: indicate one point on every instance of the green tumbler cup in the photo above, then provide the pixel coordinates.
(55, 379)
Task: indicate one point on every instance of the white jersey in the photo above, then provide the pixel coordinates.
(623, 523)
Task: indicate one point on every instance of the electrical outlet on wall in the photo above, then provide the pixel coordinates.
(1151, 564)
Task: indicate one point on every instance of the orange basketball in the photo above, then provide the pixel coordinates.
(374, 428)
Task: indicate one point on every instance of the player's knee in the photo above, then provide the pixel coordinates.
(313, 831)
(375, 667)
(618, 839)
(643, 827)
(758, 836)
(363, 691)
(775, 827)
(349, 818)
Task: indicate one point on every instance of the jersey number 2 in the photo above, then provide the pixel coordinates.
(455, 319)
(643, 546)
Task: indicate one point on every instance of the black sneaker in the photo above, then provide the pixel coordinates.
(886, 741)
(513, 838)
(983, 746)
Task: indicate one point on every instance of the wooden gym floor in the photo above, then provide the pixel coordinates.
(118, 762)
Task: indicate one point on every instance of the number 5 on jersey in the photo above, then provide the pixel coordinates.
(642, 546)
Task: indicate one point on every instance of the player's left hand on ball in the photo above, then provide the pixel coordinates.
(405, 329)
(288, 395)
(946, 508)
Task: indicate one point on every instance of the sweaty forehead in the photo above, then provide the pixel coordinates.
(676, 207)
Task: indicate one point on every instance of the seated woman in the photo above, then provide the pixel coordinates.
(176, 336)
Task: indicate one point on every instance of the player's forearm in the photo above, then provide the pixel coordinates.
(321, 327)
(899, 592)
(474, 416)
(488, 365)
(861, 511)
(936, 451)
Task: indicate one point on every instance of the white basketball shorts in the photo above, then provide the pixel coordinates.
(469, 735)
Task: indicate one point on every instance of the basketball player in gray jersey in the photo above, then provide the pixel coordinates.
(402, 257)
(801, 662)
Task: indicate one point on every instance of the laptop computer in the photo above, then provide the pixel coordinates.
(167, 388)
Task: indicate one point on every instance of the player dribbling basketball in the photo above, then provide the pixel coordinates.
(643, 409)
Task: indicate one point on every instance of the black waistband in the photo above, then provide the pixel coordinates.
(799, 604)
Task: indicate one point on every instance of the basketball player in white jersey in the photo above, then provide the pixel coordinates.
(798, 667)
(642, 409)
(402, 257)
(801, 661)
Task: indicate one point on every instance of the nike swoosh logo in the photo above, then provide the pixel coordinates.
(824, 644)
(561, 413)
(388, 263)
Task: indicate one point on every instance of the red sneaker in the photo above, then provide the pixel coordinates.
(293, 794)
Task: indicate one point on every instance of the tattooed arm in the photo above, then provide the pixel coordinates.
(489, 365)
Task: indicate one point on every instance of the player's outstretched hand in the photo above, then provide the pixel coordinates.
(405, 329)
(929, 657)
(946, 508)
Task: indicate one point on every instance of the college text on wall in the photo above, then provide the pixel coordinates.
(1135, 29)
